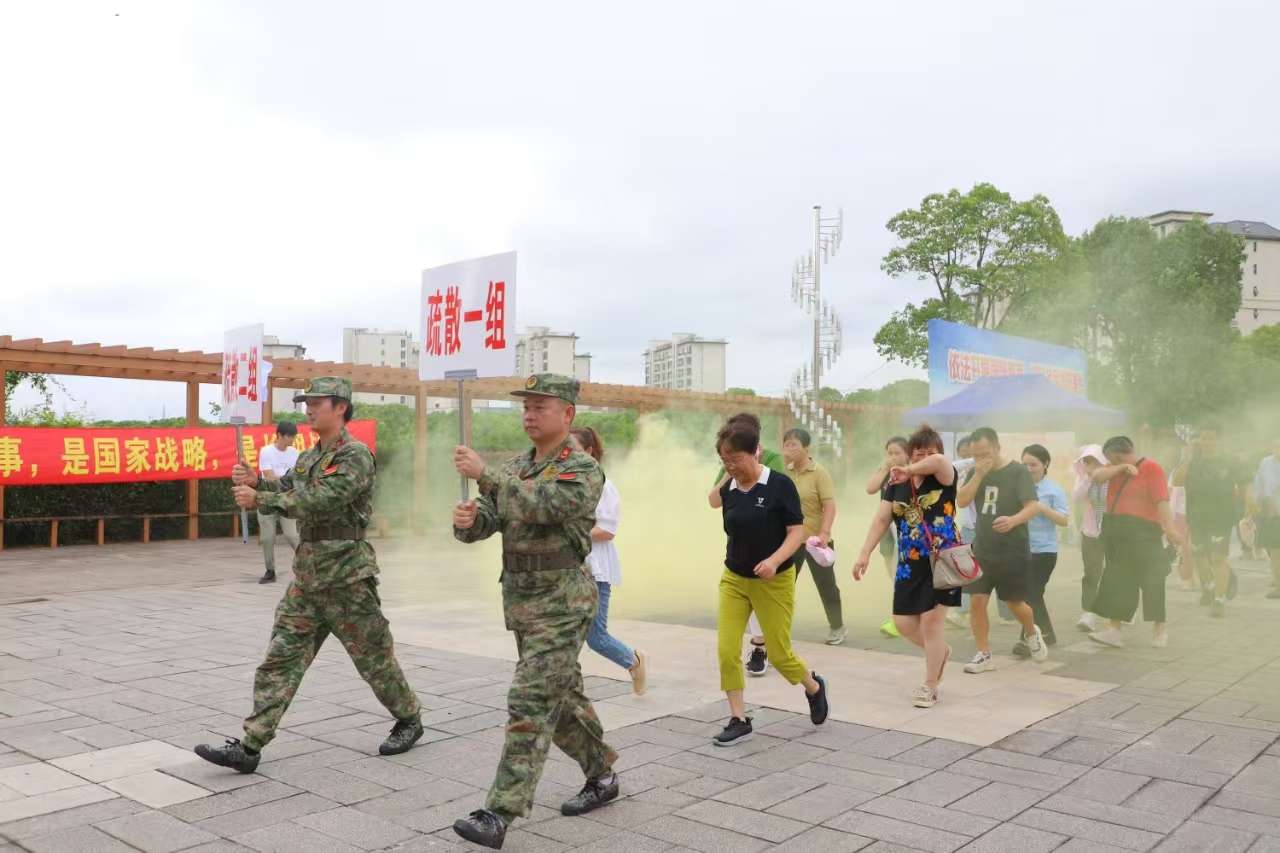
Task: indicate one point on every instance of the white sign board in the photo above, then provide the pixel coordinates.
(468, 318)
(244, 374)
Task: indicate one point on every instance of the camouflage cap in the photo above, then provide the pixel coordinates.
(550, 385)
(325, 386)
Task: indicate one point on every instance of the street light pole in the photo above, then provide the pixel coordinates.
(817, 300)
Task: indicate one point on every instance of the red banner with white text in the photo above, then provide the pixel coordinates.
(44, 456)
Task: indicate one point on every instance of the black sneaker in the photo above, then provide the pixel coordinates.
(593, 795)
(758, 663)
(1206, 597)
(818, 702)
(482, 827)
(231, 754)
(269, 577)
(404, 734)
(735, 733)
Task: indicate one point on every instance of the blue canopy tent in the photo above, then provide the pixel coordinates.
(1026, 403)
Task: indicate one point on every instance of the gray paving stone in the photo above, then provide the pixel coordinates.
(887, 744)
(1235, 819)
(705, 765)
(937, 753)
(383, 772)
(332, 785)
(1011, 775)
(1106, 786)
(1111, 813)
(230, 801)
(784, 756)
(940, 788)
(1266, 844)
(398, 803)
(70, 818)
(357, 828)
(657, 775)
(1081, 845)
(746, 821)
(897, 770)
(822, 840)
(898, 832)
(1021, 761)
(624, 841)
(1169, 798)
(1033, 742)
(999, 801)
(572, 831)
(1086, 750)
(1090, 830)
(703, 787)
(1269, 806)
(821, 804)
(1193, 837)
(236, 823)
(82, 839)
(699, 836)
(631, 812)
(847, 778)
(1011, 837)
(155, 832)
(292, 838)
(923, 814)
(768, 791)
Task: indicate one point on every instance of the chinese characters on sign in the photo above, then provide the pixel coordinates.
(964, 368)
(468, 317)
(244, 374)
(452, 317)
(33, 456)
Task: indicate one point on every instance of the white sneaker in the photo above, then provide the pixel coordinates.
(981, 662)
(955, 617)
(924, 696)
(1087, 622)
(1160, 640)
(1109, 637)
(1039, 651)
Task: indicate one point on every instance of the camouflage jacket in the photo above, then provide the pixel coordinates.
(546, 507)
(331, 486)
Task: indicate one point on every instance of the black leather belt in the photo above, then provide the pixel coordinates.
(324, 533)
(512, 562)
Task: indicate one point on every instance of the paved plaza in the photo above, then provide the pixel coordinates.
(115, 661)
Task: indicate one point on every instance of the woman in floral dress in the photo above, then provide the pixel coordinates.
(919, 495)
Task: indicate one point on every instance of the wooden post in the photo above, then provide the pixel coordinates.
(146, 529)
(419, 524)
(267, 414)
(193, 486)
(53, 533)
(102, 531)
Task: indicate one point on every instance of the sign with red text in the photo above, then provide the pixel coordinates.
(244, 375)
(41, 456)
(468, 318)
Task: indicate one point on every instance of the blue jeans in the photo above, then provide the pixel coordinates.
(600, 641)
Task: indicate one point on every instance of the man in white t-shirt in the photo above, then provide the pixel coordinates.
(273, 463)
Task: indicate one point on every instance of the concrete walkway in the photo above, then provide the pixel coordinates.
(115, 661)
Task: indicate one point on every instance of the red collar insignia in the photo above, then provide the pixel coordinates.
(564, 454)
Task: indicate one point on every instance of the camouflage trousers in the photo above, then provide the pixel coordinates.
(304, 620)
(546, 702)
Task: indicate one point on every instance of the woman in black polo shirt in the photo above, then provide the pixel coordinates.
(761, 510)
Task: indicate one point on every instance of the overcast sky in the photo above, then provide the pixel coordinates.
(171, 169)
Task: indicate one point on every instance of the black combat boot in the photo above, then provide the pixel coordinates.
(231, 754)
(593, 795)
(482, 827)
(269, 577)
(403, 736)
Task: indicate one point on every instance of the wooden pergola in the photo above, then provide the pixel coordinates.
(195, 368)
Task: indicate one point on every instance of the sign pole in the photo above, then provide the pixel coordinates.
(462, 376)
(238, 423)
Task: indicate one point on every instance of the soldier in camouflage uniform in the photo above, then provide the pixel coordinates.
(543, 503)
(335, 586)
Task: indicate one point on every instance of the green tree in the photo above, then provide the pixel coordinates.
(910, 393)
(1154, 315)
(980, 250)
(741, 392)
(1263, 343)
(827, 394)
(14, 378)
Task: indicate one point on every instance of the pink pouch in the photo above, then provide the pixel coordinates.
(824, 556)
